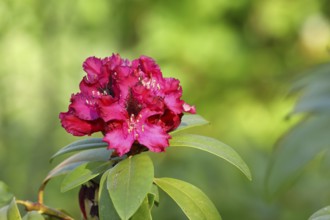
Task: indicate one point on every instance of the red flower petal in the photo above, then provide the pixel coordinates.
(79, 127)
(111, 109)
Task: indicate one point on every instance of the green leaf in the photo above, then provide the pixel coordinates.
(33, 215)
(106, 208)
(314, 91)
(77, 159)
(212, 146)
(129, 182)
(153, 196)
(193, 202)
(87, 144)
(189, 121)
(294, 150)
(322, 214)
(3, 212)
(12, 211)
(84, 173)
(5, 195)
(143, 213)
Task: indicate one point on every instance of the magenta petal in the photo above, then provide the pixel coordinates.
(150, 68)
(189, 108)
(153, 137)
(174, 103)
(172, 85)
(119, 139)
(85, 108)
(92, 67)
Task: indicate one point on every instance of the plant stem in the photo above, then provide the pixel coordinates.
(36, 206)
(41, 193)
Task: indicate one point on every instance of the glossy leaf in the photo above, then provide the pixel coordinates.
(193, 202)
(12, 211)
(84, 173)
(129, 182)
(77, 159)
(296, 149)
(87, 144)
(143, 213)
(212, 146)
(189, 121)
(33, 215)
(322, 214)
(106, 208)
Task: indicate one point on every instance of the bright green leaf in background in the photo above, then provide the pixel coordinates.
(33, 215)
(129, 182)
(193, 202)
(212, 146)
(322, 214)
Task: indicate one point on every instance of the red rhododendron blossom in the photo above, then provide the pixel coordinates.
(131, 103)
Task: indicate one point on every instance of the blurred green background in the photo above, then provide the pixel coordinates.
(235, 60)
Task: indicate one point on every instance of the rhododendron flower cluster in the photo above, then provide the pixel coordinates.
(130, 102)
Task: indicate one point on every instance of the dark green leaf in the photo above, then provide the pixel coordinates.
(322, 214)
(296, 149)
(87, 144)
(84, 173)
(106, 208)
(189, 121)
(193, 202)
(129, 182)
(212, 146)
(77, 159)
(143, 213)
(12, 211)
(34, 215)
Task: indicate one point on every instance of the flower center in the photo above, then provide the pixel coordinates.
(133, 107)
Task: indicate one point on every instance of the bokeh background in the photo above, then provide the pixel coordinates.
(235, 59)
